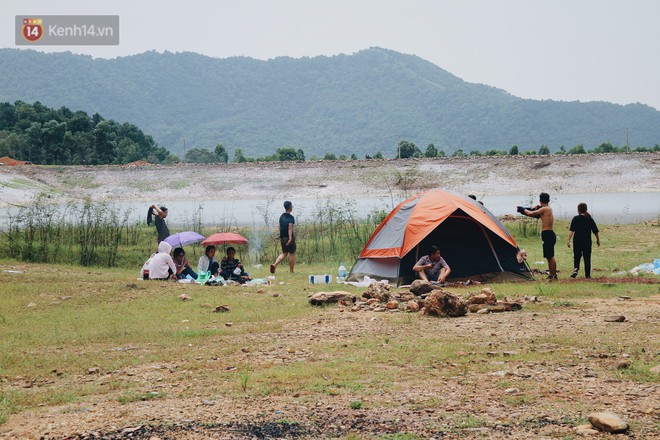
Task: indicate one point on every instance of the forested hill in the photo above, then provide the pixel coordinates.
(358, 103)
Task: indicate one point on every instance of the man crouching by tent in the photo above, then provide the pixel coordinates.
(432, 267)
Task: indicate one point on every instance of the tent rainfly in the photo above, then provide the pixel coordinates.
(471, 239)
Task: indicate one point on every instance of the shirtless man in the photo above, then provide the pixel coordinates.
(548, 236)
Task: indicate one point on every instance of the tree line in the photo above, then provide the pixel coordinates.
(406, 150)
(42, 135)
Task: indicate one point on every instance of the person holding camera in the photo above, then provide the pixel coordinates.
(548, 236)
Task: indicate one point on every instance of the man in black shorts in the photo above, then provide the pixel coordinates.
(287, 238)
(548, 236)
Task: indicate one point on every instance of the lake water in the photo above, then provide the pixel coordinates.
(606, 208)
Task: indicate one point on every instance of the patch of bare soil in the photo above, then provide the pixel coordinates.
(529, 379)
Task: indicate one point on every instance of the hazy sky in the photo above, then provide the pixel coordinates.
(606, 50)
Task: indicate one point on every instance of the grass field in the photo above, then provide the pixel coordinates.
(89, 349)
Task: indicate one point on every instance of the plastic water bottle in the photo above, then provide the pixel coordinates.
(341, 273)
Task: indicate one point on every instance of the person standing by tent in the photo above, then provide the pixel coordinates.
(432, 267)
(548, 236)
(161, 226)
(287, 238)
(581, 228)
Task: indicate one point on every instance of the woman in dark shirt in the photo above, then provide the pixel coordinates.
(581, 228)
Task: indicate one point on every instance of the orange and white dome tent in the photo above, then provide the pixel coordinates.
(473, 242)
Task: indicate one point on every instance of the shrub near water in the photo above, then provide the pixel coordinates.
(89, 235)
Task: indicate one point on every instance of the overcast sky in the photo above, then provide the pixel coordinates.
(604, 50)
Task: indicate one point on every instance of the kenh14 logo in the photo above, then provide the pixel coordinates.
(33, 29)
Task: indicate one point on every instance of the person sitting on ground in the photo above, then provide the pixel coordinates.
(161, 266)
(182, 265)
(432, 267)
(207, 262)
(231, 267)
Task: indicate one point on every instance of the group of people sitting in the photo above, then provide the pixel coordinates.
(163, 266)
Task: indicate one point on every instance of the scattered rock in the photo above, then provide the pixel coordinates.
(379, 291)
(208, 402)
(483, 311)
(608, 422)
(420, 287)
(391, 305)
(444, 303)
(475, 308)
(322, 298)
(184, 297)
(31, 305)
(487, 296)
(222, 309)
(477, 299)
(615, 318)
(228, 324)
(585, 430)
(412, 306)
(655, 369)
(131, 430)
(93, 370)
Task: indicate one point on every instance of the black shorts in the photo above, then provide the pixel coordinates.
(549, 238)
(290, 249)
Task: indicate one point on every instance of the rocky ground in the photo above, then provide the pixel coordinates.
(637, 172)
(532, 383)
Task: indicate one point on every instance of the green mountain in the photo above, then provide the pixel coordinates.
(344, 104)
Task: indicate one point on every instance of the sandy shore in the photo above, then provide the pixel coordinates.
(603, 173)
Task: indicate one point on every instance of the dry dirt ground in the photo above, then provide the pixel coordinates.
(566, 174)
(515, 389)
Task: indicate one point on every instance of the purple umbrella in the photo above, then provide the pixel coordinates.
(184, 238)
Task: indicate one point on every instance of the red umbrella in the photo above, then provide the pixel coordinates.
(225, 238)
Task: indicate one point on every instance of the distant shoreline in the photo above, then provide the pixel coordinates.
(485, 175)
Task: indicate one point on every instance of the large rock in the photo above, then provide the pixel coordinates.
(608, 422)
(420, 287)
(443, 303)
(322, 298)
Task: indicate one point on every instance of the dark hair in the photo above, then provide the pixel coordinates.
(544, 197)
(230, 248)
(208, 248)
(472, 196)
(433, 249)
(177, 252)
(162, 208)
(287, 205)
(582, 209)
